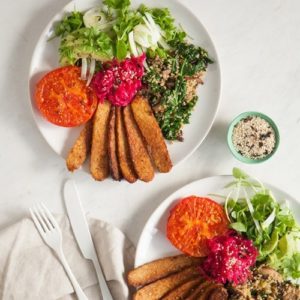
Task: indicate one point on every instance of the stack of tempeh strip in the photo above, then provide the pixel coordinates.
(174, 278)
(124, 142)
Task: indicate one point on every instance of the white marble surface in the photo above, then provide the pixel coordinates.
(259, 47)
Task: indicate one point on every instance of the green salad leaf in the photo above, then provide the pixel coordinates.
(69, 23)
(125, 23)
(117, 4)
(166, 22)
(85, 42)
(253, 211)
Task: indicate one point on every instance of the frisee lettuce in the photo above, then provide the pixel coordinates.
(69, 23)
(253, 211)
(85, 42)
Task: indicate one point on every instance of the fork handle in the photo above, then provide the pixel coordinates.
(79, 292)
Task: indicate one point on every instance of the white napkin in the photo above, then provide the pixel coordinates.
(30, 270)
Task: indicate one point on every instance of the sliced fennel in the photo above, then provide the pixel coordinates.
(96, 18)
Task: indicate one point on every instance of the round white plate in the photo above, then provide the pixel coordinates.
(45, 58)
(153, 243)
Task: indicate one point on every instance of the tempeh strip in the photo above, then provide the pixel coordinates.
(138, 152)
(99, 166)
(199, 290)
(159, 288)
(124, 158)
(160, 268)
(81, 148)
(182, 291)
(112, 146)
(151, 132)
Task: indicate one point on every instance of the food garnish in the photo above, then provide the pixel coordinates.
(253, 137)
(64, 99)
(254, 212)
(230, 258)
(193, 221)
(119, 82)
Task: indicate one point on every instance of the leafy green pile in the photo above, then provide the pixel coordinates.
(80, 41)
(254, 212)
(171, 104)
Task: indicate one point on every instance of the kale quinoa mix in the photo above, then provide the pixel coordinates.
(171, 81)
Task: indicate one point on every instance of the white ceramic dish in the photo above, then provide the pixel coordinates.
(45, 58)
(153, 243)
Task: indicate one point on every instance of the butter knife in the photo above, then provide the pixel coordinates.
(82, 233)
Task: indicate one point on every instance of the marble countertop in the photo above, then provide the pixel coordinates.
(258, 43)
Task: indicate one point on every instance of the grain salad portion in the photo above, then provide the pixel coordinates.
(254, 138)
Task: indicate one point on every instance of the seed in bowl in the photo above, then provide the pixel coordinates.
(253, 137)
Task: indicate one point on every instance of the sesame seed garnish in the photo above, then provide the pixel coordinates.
(253, 137)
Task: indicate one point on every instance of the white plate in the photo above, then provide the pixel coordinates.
(153, 243)
(45, 58)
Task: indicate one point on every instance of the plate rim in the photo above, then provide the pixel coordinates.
(219, 89)
(171, 198)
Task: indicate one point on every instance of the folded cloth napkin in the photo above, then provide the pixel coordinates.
(29, 269)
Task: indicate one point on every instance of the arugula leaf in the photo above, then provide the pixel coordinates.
(238, 226)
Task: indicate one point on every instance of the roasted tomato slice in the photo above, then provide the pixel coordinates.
(193, 221)
(64, 99)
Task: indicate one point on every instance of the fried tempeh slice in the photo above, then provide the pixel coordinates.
(198, 291)
(208, 291)
(81, 148)
(152, 133)
(182, 291)
(219, 293)
(112, 146)
(138, 151)
(160, 288)
(160, 268)
(125, 162)
(99, 166)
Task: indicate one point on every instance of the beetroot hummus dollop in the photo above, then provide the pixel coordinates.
(230, 258)
(119, 82)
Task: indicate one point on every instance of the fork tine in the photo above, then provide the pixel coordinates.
(45, 218)
(36, 222)
(50, 216)
(40, 219)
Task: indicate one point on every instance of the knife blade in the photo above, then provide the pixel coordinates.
(82, 233)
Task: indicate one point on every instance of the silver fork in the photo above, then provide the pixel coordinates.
(51, 234)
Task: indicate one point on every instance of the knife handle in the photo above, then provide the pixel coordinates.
(106, 295)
